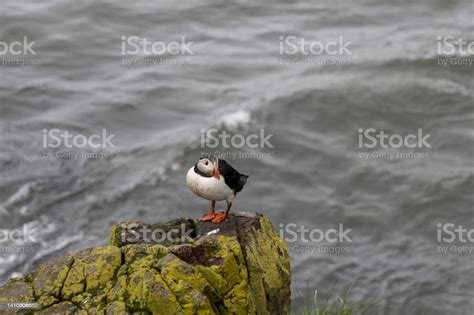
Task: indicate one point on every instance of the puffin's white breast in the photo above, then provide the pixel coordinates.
(209, 187)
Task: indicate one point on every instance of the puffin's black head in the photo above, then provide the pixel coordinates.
(205, 166)
(208, 166)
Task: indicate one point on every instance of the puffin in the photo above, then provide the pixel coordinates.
(215, 180)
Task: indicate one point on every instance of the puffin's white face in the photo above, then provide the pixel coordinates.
(206, 166)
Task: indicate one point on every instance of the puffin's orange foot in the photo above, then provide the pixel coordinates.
(221, 216)
(208, 217)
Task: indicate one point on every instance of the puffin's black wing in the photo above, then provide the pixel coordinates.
(233, 178)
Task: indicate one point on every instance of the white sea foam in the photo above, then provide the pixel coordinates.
(22, 194)
(233, 121)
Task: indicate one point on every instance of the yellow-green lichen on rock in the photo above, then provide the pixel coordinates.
(188, 284)
(48, 279)
(15, 289)
(267, 278)
(239, 266)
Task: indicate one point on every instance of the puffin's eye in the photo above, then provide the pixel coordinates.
(206, 162)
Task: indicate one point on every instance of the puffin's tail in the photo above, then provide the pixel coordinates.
(243, 179)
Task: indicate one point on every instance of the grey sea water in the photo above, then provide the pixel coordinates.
(237, 81)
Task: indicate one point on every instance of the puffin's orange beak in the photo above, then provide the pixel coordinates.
(217, 174)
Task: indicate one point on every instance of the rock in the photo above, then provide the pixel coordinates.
(16, 289)
(63, 308)
(91, 270)
(240, 266)
(135, 232)
(48, 279)
(117, 308)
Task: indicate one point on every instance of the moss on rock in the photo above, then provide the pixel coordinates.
(188, 285)
(63, 308)
(240, 266)
(117, 308)
(14, 290)
(268, 280)
(48, 279)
